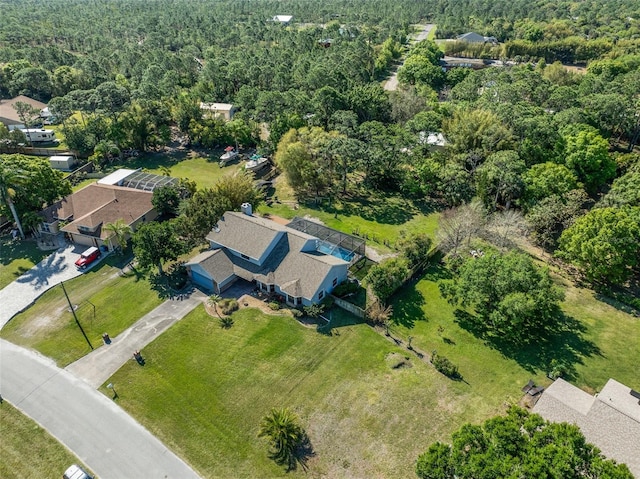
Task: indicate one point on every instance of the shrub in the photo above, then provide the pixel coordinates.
(274, 305)
(345, 288)
(444, 366)
(297, 313)
(228, 306)
(314, 310)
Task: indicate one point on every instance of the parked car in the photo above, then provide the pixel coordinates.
(88, 257)
(75, 472)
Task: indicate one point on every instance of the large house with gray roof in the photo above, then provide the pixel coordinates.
(610, 420)
(279, 259)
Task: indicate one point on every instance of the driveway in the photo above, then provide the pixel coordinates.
(49, 272)
(99, 365)
(392, 83)
(93, 426)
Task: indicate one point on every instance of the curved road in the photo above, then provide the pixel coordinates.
(97, 430)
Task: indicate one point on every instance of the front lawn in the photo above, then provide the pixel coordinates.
(105, 302)
(369, 406)
(27, 450)
(17, 257)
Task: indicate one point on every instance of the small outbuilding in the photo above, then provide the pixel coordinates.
(283, 19)
(220, 110)
(62, 163)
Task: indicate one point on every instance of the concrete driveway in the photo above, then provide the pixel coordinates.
(49, 272)
(93, 426)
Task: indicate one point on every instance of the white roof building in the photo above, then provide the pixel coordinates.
(284, 19)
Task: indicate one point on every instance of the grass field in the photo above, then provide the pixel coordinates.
(27, 450)
(48, 326)
(381, 219)
(17, 257)
(204, 170)
(204, 390)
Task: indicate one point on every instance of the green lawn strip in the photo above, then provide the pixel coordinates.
(432, 33)
(17, 257)
(49, 327)
(83, 183)
(204, 391)
(27, 450)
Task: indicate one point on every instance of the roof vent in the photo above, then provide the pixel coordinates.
(246, 208)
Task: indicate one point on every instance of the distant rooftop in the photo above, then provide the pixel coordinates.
(610, 420)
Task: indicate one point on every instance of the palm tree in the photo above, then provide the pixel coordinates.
(213, 301)
(120, 230)
(10, 177)
(285, 436)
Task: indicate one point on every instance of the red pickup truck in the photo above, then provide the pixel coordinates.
(88, 257)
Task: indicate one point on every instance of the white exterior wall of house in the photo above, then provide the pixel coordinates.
(338, 272)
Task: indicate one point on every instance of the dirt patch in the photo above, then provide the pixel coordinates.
(398, 361)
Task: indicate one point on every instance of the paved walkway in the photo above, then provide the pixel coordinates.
(99, 365)
(55, 268)
(94, 427)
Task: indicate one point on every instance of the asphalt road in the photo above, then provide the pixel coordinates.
(94, 427)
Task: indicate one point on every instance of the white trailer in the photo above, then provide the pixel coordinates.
(37, 135)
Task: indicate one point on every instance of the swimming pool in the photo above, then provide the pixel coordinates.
(337, 251)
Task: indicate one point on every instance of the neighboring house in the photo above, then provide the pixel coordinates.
(610, 420)
(472, 37)
(9, 115)
(220, 110)
(83, 214)
(283, 19)
(435, 141)
(281, 260)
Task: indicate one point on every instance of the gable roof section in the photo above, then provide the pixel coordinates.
(8, 112)
(248, 235)
(97, 204)
(471, 37)
(216, 263)
(610, 420)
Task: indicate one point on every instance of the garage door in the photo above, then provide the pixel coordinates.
(202, 281)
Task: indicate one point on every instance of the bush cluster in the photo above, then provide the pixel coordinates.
(345, 288)
(228, 306)
(444, 366)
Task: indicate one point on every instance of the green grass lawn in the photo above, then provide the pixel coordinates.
(598, 349)
(204, 390)
(432, 33)
(17, 257)
(204, 170)
(380, 219)
(48, 326)
(27, 450)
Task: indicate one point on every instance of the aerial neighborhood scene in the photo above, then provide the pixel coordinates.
(365, 239)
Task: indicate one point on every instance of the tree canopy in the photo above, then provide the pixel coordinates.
(517, 445)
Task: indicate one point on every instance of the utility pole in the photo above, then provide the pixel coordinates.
(73, 311)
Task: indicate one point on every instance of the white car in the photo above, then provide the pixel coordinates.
(75, 472)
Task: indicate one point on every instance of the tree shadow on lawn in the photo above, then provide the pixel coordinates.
(566, 346)
(153, 160)
(385, 209)
(407, 306)
(11, 249)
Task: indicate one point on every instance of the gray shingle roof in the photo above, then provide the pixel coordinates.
(215, 262)
(248, 237)
(609, 420)
(298, 273)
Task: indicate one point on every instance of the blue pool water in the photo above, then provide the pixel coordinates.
(336, 251)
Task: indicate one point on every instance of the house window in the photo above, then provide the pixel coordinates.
(335, 282)
(272, 288)
(244, 256)
(321, 295)
(45, 227)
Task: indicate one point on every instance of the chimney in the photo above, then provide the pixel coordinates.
(246, 209)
